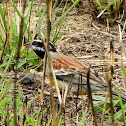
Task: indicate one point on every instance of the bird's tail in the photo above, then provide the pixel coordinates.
(123, 96)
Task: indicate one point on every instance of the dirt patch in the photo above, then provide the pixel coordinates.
(89, 41)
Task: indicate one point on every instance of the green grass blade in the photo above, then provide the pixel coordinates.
(86, 113)
(6, 68)
(54, 12)
(2, 112)
(4, 101)
(49, 122)
(3, 19)
(4, 90)
(64, 15)
(124, 72)
(60, 121)
(40, 21)
(14, 33)
(17, 10)
(40, 117)
(31, 120)
(18, 100)
(55, 4)
(113, 2)
(31, 7)
(118, 114)
(123, 109)
(36, 113)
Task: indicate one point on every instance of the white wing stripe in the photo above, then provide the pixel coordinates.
(61, 72)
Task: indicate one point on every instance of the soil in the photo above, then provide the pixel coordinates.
(89, 41)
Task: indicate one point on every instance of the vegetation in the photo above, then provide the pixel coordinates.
(16, 29)
(111, 9)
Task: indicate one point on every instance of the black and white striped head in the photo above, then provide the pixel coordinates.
(39, 49)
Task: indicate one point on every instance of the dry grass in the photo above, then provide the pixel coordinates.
(89, 41)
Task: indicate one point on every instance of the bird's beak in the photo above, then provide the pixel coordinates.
(28, 44)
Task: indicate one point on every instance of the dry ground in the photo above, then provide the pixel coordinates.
(89, 41)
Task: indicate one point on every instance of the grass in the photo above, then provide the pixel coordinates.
(28, 113)
(105, 9)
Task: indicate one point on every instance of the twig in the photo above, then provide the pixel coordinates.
(90, 98)
(43, 73)
(49, 58)
(105, 33)
(121, 42)
(17, 60)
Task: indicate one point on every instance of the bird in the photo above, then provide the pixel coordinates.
(71, 70)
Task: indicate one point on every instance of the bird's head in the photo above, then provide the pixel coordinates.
(38, 47)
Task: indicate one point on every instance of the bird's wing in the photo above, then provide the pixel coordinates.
(65, 67)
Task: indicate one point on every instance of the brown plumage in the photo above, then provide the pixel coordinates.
(67, 69)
